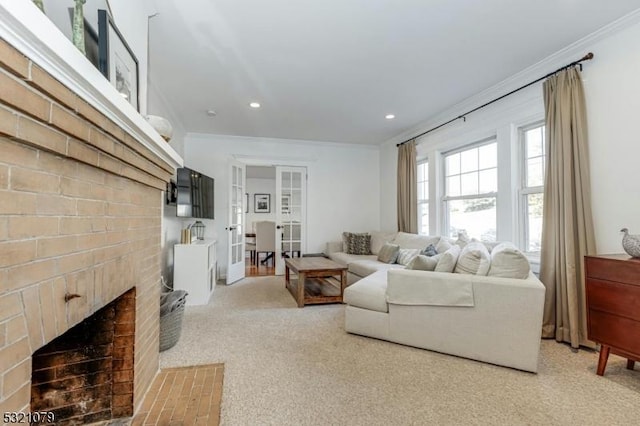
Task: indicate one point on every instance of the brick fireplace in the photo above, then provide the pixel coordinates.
(86, 375)
(80, 226)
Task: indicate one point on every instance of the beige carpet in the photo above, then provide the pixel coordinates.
(291, 366)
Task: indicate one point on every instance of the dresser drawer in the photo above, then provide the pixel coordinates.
(623, 271)
(619, 299)
(614, 331)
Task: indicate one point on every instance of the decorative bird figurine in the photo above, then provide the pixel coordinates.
(631, 243)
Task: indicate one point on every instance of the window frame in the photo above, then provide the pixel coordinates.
(524, 191)
(423, 201)
(445, 199)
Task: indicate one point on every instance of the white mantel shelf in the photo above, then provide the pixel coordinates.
(25, 27)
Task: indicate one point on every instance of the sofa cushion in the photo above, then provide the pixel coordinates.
(378, 238)
(406, 287)
(345, 259)
(423, 263)
(369, 293)
(447, 263)
(508, 262)
(357, 243)
(474, 259)
(366, 267)
(414, 241)
(388, 253)
(406, 255)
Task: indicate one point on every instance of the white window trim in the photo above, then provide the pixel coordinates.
(445, 198)
(424, 201)
(523, 191)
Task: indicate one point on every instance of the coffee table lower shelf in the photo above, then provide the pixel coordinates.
(317, 290)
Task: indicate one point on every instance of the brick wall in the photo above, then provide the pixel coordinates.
(80, 212)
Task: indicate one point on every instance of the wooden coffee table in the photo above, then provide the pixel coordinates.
(319, 280)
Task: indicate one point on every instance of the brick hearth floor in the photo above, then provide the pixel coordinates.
(183, 396)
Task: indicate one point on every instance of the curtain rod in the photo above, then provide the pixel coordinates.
(586, 57)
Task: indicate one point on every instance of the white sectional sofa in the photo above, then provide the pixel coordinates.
(493, 319)
(362, 265)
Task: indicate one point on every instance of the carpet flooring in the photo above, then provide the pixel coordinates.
(290, 366)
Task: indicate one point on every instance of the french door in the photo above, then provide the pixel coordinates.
(291, 201)
(236, 227)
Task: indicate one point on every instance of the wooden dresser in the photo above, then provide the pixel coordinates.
(613, 306)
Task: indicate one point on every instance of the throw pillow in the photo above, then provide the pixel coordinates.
(474, 259)
(388, 253)
(358, 243)
(378, 238)
(443, 245)
(490, 245)
(423, 263)
(463, 239)
(508, 262)
(429, 251)
(447, 262)
(406, 255)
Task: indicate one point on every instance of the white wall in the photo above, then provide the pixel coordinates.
(613, 101)
(342, 187)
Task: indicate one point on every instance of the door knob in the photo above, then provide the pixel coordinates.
(279, 227)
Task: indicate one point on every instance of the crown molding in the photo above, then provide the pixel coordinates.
(570, 53)
(28, 30)
(298, 142)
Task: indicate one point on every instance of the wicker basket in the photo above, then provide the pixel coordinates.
(171, 313)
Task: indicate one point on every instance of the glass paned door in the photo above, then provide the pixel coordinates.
(291, 201)
(236, 218)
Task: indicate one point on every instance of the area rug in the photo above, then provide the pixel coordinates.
(183, 396)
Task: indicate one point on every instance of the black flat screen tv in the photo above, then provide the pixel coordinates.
(195, 194)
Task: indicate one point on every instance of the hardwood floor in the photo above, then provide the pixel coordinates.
(258, 270)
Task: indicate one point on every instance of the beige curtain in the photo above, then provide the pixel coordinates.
(567, 233)
(407, 188)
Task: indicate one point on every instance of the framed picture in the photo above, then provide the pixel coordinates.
(246, 202)
(116, 59)
(262, 203)
(286, 203)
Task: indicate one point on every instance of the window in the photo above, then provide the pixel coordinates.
(423, 198)
(471, 187)
(533, 149)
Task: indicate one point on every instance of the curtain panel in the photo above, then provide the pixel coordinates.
(407, 188)
(567, 233)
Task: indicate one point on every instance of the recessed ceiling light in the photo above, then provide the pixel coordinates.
(254, 105)
(389, 116)
(211, 113)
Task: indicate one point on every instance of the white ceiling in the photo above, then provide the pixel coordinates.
(330, 70)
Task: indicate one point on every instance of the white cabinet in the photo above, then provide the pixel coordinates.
(194, 270)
